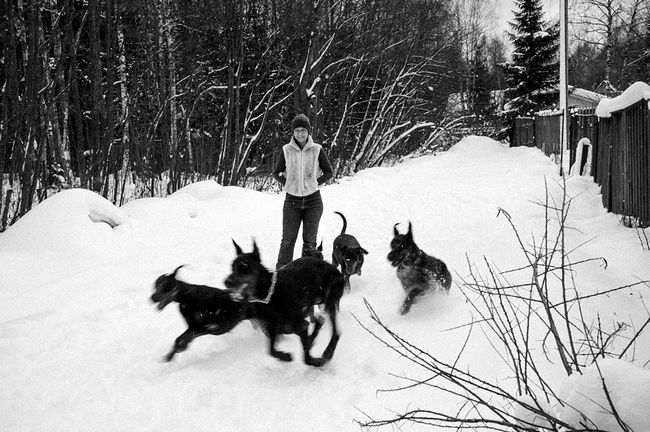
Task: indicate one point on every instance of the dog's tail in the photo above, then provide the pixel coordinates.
(345, 222)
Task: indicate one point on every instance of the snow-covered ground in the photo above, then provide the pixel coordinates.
(81, 345)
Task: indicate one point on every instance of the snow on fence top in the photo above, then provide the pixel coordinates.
(633, 94)
(549, 112)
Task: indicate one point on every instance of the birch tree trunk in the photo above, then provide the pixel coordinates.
(73, 73)
(168, 31)
(58, 137)
(124, 104)
(98, 149)
(109, 163)
(29, 170)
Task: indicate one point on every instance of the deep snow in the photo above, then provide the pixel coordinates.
(81, 345)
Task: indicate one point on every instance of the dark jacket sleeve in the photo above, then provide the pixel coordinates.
(325, 167)
(280, 167)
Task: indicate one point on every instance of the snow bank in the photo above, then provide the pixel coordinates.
(478, 146)
(633, 94)
(72, 220)
(203, 191)
(629, 389)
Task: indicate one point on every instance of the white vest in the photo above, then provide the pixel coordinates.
(302, 169)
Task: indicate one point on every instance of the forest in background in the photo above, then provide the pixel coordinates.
(138, 98)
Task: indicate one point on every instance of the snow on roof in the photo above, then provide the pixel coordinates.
(586, 94)
(634, 93)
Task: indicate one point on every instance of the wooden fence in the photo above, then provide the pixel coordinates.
(524, 134)
(620, 151)
(624, 161)
(548, 133)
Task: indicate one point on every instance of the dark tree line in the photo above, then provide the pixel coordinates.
(112, 95)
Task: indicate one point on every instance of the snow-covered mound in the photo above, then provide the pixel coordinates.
(610, 386)
(202, 190)
(72, 221)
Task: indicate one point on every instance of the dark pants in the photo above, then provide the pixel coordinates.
(306, 210)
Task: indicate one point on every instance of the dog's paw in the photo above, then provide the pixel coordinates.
(315, 361)
(406, 307)
(280, 355)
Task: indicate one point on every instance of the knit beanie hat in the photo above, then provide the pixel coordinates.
(301, 121)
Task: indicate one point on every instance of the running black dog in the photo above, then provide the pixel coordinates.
(347, 253)
(283, 301)
(417, 271)
(206, 310)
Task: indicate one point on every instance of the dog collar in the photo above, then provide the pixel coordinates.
(274, 281)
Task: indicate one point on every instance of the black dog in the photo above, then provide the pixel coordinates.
(417, 271)
(284, 301)
(347, 253)
(206, 310)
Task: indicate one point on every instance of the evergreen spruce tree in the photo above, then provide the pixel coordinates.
(533, 74)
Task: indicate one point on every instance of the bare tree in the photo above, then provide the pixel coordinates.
(474, 19)
(125, 148)
(608, 24)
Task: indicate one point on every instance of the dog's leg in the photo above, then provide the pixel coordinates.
(318, 319)
(411, 298)
(182, 342)
(346, 282)
(306, 340)
(331, 346)
(335, 263)
(284, 356)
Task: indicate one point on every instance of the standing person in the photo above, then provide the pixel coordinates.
(303, 167)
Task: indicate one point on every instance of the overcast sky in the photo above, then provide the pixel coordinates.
(505, 7)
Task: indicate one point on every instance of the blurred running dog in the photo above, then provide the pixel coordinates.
(347, 253)
(283, 301)
(206, 310)
(417, 271)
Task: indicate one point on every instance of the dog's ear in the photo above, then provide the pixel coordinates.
(256, 252)
(238, 250)
(320, 246)
(395, 232)
(365, 252)
(409, 234)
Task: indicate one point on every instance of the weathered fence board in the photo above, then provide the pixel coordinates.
(548, 133)
(524, 132)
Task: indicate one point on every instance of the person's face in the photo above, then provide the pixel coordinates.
(300, 134)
